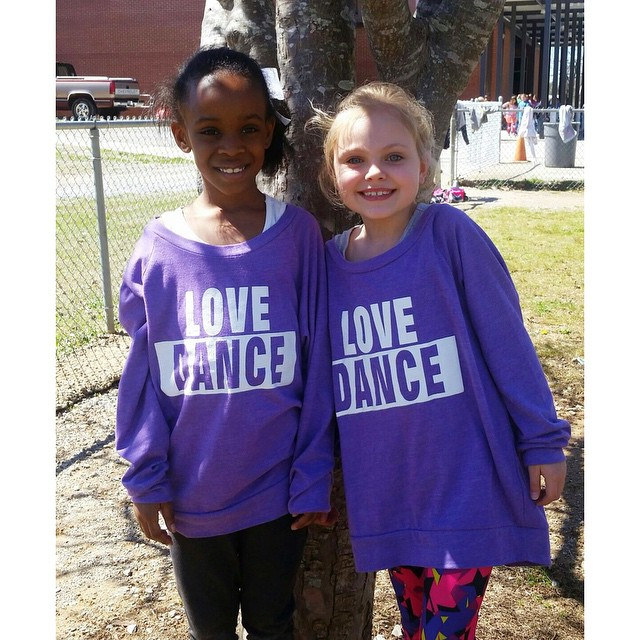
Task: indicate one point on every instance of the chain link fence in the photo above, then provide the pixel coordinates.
(484, 153)
(112, 177)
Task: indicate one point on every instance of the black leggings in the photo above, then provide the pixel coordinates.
(252, 570)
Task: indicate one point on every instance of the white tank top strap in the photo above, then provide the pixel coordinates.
(176, 222)
(274, 210)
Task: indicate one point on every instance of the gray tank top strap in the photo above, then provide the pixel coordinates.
(342, 239)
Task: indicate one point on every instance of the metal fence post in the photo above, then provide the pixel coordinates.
(94, 134)
(501, 111)
(453, 134)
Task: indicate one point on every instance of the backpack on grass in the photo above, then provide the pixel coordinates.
(451, 195)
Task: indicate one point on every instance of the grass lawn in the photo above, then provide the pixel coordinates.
(80, 315)
(544, 251)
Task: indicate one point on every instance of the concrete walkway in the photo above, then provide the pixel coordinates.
(543, 199)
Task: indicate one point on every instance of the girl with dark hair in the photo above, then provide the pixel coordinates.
(224, 406)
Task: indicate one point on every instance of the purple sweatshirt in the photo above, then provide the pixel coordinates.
(441, 402)
(225, 405)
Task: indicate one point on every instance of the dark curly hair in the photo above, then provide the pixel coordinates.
(207, 61)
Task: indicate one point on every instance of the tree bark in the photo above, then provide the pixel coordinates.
(244, 25)
(398, 41)
(333, 602)
(316, 57)
(315, 54)
(458, 33)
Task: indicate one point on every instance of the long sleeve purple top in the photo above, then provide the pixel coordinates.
(441, 402)
(225, 405)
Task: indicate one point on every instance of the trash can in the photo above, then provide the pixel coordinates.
(558, 153)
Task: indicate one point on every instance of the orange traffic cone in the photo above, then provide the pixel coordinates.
(521, 154)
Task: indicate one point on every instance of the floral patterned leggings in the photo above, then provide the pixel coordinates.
(439, 604)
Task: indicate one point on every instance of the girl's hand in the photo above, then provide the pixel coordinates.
(554, 476)
(327, 519)
(147, 516)
(315, 517)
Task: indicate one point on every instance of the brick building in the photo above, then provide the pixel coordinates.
(149, 39)
(146, 39)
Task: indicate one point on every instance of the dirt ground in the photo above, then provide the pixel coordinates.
(111, 583)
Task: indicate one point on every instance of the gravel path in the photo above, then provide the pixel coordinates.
(111, 582)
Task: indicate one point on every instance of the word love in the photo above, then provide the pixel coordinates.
(379, 323)
(208, 314)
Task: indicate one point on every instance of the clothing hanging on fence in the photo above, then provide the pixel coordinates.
(461, 118)
(566, 130)
(527, 124)
(462, 130)
(461, 126)
(478, 116)
(527, 130)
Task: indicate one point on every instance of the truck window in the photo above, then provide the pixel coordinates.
(64, 69)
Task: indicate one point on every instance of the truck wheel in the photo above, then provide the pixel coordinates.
(83, 108)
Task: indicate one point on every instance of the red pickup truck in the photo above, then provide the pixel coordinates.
(89, 96)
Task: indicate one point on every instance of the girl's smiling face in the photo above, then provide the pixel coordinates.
(224, 123)
(377, 168)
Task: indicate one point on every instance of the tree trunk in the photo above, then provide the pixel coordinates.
(398, 41)
(311, 42)
(244, 25)
(315, 53)
(458, 33)
(333, 602)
